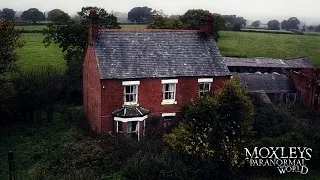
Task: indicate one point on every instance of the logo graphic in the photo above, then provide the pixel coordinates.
(291, 159)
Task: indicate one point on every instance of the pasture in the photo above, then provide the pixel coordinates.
(32, 27)
(270, 45)
(35, 55)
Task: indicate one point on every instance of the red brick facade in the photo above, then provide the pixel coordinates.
(102, 97)
(308, 84)
(92, 90)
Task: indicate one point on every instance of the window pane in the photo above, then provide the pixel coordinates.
(201, 86)
(134, 89)
(172, 87)
(119, 126)
(127, 89)
(134, 98)
(166, 95)
(166, 87)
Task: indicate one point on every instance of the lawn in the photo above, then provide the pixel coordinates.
(34, 54)
(270, 45)
(134, 26)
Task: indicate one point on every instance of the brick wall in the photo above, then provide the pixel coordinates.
(92, 90)
(150, 96)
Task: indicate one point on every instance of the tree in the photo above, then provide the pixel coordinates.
(217, 128)
(8, 14)
(72, 37)
(140, 14)
(274, 25)
(191, 20)
(256, 24)
(9, 42)
(310, 28)
(55, 13)
(291, 23)
(33, 15)
(234, 22)
(165, 23)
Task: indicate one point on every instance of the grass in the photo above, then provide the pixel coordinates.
(34, 54)
(35, 145)
(32, 27)
(134, 26)
(270, 45)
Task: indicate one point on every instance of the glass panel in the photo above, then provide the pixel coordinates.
(127, 89)
(201, 88)
(119, 126)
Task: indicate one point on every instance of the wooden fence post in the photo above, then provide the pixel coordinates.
(11, 165)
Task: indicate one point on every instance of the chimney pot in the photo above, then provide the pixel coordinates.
(93, 23)
(206, 24)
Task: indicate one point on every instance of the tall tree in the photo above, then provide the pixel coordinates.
(32, 15)
(191, 20)
(256, 24)
(72, 37)
(9, 41)
(55, 13)
(140, 14)
(8, 14)
(274, 25)
(291, 23)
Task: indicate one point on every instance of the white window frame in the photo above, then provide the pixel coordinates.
(164, 115)
(285, 95)
(166, 82)
(118, 126)
(205, 81)
(130, 83)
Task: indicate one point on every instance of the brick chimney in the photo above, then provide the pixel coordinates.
(93, 29)
(206, 24)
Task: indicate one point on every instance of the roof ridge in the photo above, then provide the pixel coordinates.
(146, 30)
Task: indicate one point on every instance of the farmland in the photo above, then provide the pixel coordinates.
(270, 45)
(34, 54)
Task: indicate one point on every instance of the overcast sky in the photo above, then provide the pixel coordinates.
(305, 10)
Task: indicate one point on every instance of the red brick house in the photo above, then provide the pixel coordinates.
(129, 75)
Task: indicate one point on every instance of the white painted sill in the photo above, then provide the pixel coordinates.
(166, 102)
(130, 104)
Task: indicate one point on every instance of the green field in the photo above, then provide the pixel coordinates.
(31, 27)
(34, 54)
(270, 45)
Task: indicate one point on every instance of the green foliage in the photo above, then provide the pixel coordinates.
(291, 23)
(33, 15)
(274, 25)
(216, 127)
(165, 23)
(7, 14)
(140, 14)
(36, 91)
(256, 24)
(269, 45)
(9, 42)
(72, 37)
(54, 14)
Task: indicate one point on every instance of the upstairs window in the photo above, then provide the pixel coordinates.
(205, 86)
(130, 94)
(169, 91)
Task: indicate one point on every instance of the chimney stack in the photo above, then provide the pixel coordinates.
(93, 32)
(206, 24)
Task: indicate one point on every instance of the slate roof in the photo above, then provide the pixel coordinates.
(124, 54)
(130, 111)
(268, 62)
(269, 83)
